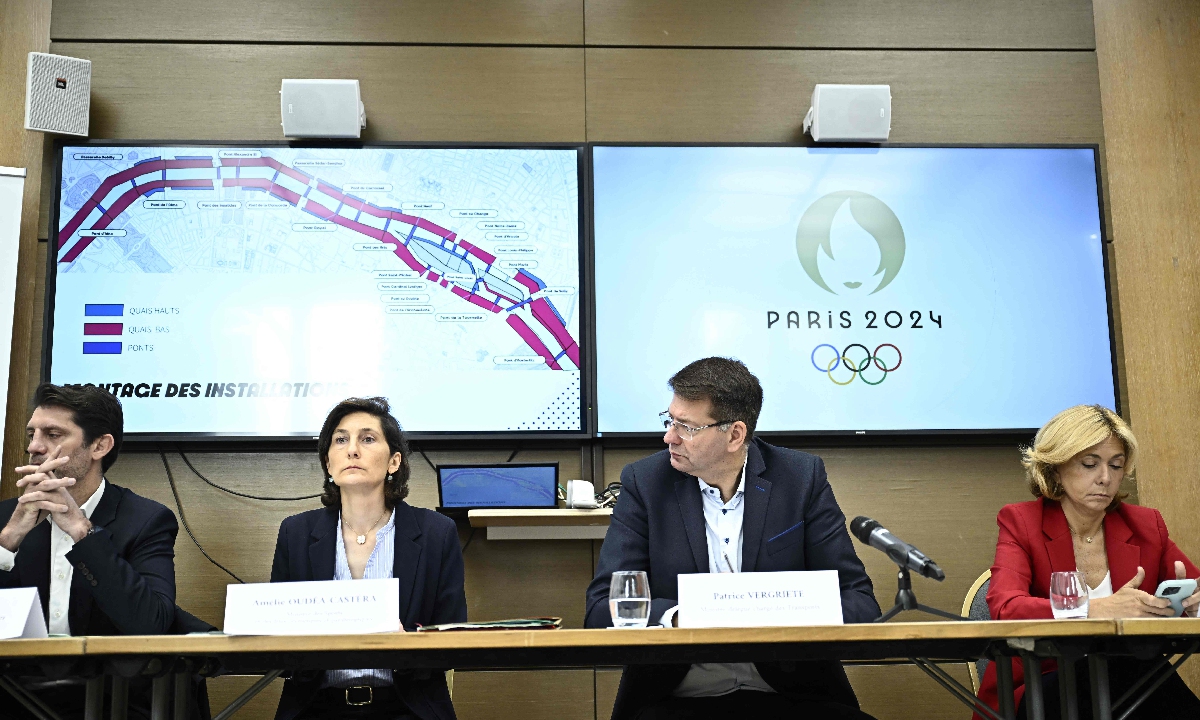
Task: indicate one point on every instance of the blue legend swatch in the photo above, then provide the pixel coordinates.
(102, 348)
(91, 310)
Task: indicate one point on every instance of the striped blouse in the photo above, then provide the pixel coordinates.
(379, 567)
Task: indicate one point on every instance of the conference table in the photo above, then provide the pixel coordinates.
(173, 660)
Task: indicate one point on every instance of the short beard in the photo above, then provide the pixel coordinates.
(77, 467)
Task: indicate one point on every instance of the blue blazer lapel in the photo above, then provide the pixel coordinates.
(754, 515)
(106, 510)
(691, 507)
(322, 553)
(408, 556)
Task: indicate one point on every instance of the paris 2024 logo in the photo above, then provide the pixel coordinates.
(856, 360)
(871, 214)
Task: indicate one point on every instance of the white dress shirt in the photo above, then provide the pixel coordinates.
(61, 569)
(723, 527)
(379, 567)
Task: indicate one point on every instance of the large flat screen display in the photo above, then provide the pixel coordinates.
(245, 290)
(869, 289)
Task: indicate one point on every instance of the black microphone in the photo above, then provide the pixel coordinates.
(870, 532)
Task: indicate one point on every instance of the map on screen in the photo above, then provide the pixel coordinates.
(236, 290)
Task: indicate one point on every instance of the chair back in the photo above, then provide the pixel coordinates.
(975, 607)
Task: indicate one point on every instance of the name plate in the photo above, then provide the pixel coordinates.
(329, 607)
(21, 614)
(760, 599)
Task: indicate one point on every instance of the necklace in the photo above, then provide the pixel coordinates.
(361, 538)
(1087, 539)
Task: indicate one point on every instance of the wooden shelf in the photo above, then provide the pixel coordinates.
(565, 524)
(539, 518)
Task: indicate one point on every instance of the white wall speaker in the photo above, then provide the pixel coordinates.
(58, 91)
(322, 109)
(850, 113)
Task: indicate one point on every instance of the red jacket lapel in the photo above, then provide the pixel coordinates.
(1058, 539)
(1123, 557)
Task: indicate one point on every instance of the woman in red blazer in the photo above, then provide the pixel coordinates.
(1079, 522)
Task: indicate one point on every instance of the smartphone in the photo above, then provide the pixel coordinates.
(1176, 591)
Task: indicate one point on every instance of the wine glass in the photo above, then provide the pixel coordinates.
(629, 598)
(1068, 595)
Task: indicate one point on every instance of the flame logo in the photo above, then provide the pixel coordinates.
(871, 213)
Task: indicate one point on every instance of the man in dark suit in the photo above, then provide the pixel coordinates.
(719, 500)
(101, 557)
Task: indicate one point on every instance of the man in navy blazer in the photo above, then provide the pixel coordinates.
(719, 500)
(101, 556)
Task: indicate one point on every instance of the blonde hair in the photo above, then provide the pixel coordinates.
(1066, 435)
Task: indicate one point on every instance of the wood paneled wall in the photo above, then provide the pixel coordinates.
(24, 28)
(833, 24)
(326, 22)
(1149, 66)
(742, 95)
(231, 92)
(1002, 71)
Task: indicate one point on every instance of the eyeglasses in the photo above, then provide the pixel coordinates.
(684, 430)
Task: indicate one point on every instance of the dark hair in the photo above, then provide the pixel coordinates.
(728, 384)
(396, 488)
(95, 410)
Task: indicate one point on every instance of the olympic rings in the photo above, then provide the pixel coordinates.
(857, 369)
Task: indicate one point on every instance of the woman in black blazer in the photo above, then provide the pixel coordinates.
(366, 530)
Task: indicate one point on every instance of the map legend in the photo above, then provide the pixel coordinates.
(91, 329)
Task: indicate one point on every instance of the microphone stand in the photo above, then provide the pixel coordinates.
(906, 599)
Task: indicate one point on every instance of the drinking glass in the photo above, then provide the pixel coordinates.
(629, 598)
(1068, 595)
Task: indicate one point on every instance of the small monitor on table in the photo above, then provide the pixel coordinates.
(508, 485)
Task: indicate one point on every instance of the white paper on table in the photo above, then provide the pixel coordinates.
(12, 190)
(760, 599)
(324, 607)
(21, 614)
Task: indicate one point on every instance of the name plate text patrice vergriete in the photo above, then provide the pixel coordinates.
(760, 599)
(329, 607)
